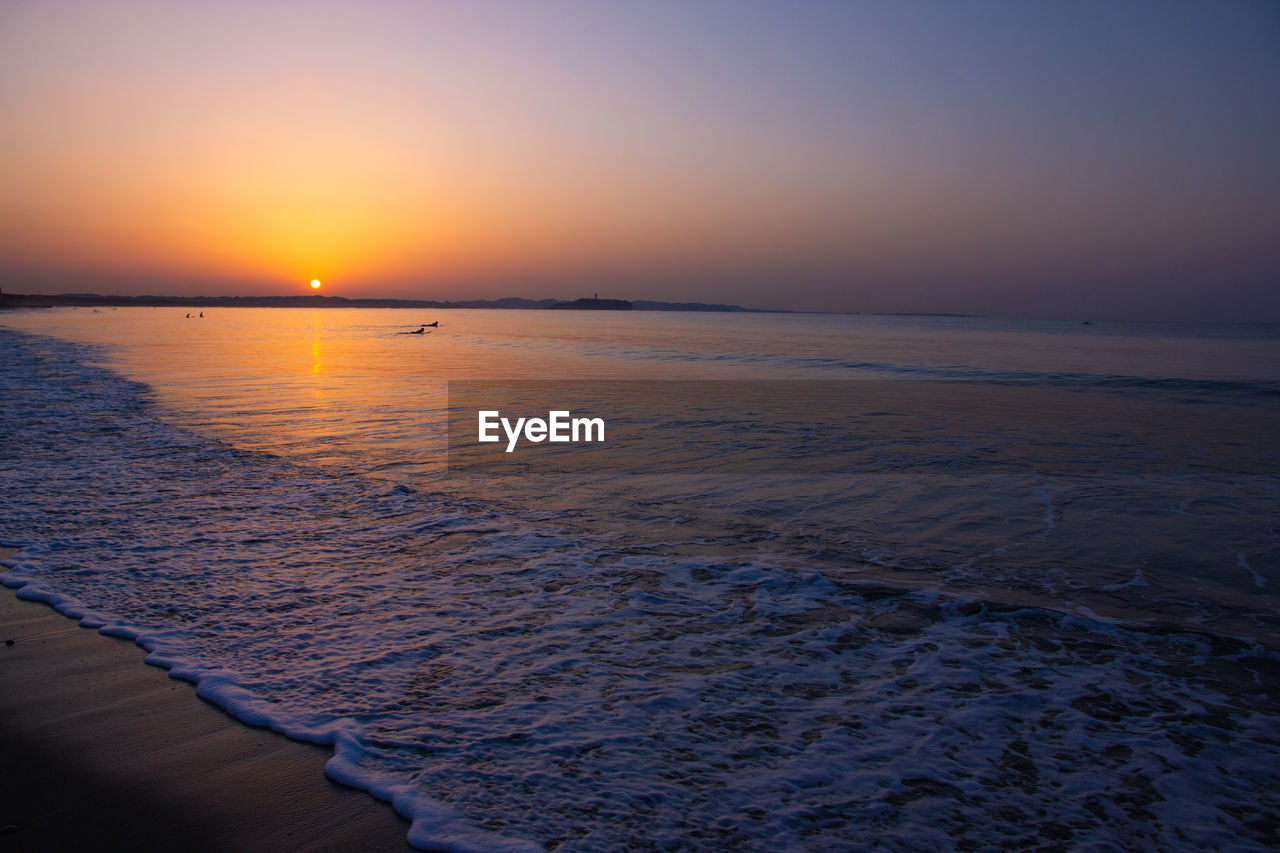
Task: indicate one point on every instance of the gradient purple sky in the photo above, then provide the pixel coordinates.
(1083, 159)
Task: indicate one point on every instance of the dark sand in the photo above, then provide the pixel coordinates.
(99, 751)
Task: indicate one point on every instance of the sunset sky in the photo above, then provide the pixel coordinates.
(1102, 159)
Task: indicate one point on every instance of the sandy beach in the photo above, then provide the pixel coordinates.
(104, 752)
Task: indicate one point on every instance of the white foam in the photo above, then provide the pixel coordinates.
(1258, 580)
(514, 681)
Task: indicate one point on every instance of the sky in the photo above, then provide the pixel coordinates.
(1094, 158)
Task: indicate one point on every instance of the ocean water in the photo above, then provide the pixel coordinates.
(1031, 604)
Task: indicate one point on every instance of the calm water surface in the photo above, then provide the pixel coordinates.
(974, 644)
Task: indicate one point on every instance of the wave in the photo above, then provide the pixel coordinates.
(512, 682)
(776, 365)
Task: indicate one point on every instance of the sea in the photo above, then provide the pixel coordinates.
(832, 583)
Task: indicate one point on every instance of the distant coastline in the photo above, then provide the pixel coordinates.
(37, 300)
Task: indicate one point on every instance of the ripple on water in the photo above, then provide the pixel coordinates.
(510, 682)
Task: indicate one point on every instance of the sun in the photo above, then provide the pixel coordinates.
(315, 284)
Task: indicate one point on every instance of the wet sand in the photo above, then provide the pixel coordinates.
(99, 751)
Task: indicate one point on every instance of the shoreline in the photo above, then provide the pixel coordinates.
(105, 752)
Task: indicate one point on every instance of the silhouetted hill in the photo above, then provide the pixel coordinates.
(593, 305)
(36, 300)
(649, 305)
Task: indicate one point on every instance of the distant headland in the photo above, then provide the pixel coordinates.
(594, 304)
(36, 300)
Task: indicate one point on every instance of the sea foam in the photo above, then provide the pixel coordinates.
(511, 679)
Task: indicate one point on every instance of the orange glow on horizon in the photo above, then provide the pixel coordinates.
(453, 151)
